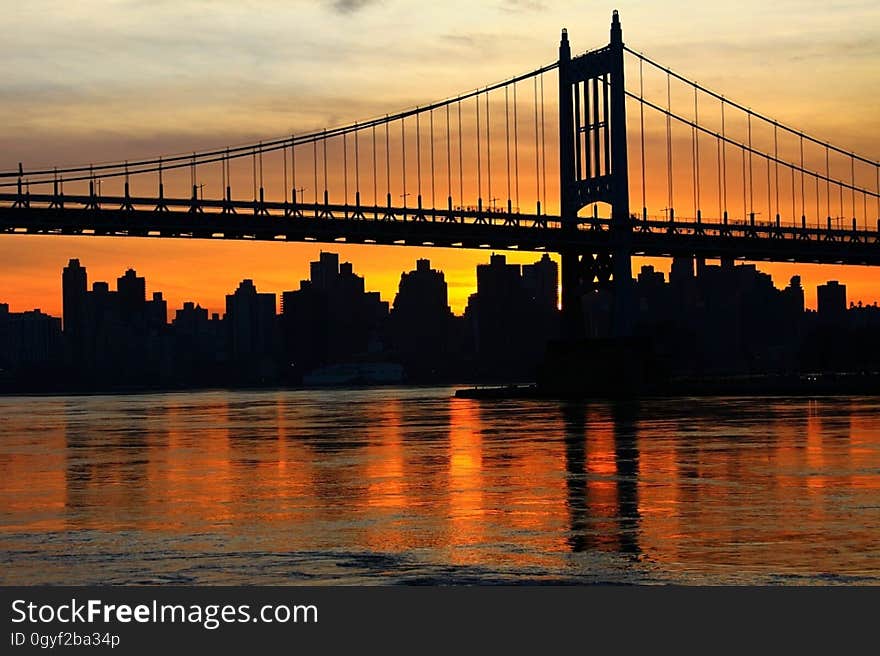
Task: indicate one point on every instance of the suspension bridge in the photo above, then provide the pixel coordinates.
(550, 160)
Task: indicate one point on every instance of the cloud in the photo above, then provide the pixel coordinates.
(352, 6)
(517, 6)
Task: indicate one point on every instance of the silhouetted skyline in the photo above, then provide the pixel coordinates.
(707, 319)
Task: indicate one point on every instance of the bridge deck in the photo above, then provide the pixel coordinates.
(457, 228)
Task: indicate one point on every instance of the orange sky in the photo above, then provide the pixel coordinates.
(99, 83)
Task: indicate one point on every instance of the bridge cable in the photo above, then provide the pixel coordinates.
(315, 167)
(284, 185)
(460, 162)
(697, 135)
(324, 162)
(507, 141)
(669, 189)
(293, 169)
(388, 163)
(769, 204)
(357, 168)
(228, 178)
(718, 170)
(803, 190)
(490, 199)
(827, 185)
(724, 155)
(852, 181)
(254, 176)
(543, 148)
(776, 164)
(793, 200)
(403, 158)
(751, 184)
(479, 162)
(642, 137)
(433, 179)
(345, 168)
(448, 162)
(537, 162)
(694, 158)
(742, 108)
(516, 149)
(182, 160)
(419, 156)
(745, 205)
(375, 177)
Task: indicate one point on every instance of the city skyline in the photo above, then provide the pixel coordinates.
(110, 272)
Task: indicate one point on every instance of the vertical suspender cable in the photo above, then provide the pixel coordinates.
(776, 163)
(697, 147)
(507, 139)
(852, 179)
(745, 180)
(724, 156)
(357, 166)
(515, 150)
(827, 184)
(751, 186)
(537, 162)
(460, 160)
(418, 153)
(433, 182)
(642, 136)
(803, 191)
(488, 155)
(375, 172)
(324, 144)
(718, 170)
(479, 162)
(293, 167)
(403, 156)
(388, 159)
(669, 188)
(448, 160)
(543, 150)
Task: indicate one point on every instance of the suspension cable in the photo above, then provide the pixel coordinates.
(543, 149)
(490, 198)
(669, 169)
(776, 163)
(742, 108)
(507, 140)
(515, 149)
(433, 182)
(479, 163)
(234, 152)
(537, 162)
(642, 139)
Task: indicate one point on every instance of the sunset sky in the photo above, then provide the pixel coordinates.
(93, 81)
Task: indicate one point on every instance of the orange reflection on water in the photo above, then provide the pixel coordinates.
(737, 490)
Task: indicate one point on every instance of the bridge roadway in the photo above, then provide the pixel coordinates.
(467, 227)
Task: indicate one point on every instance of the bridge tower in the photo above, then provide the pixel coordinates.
(592, 169)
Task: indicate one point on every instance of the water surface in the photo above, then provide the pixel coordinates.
(409, 485)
